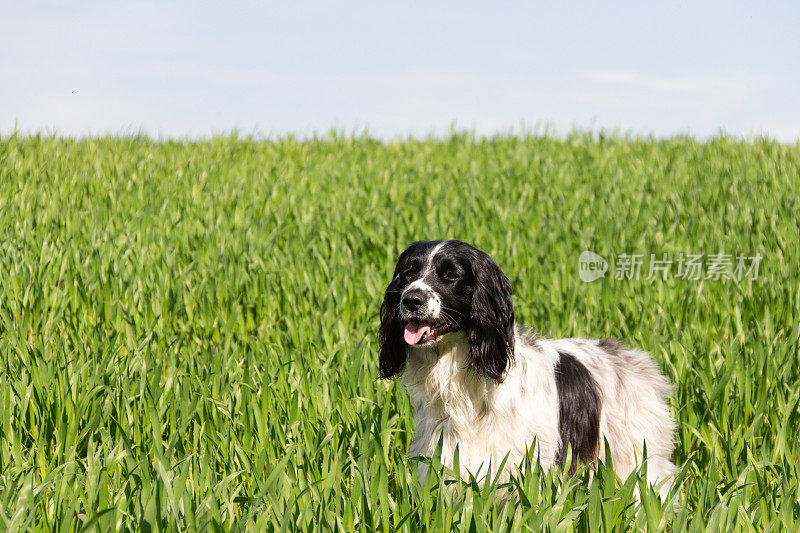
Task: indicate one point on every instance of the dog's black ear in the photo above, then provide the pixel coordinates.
(392, 358)
(491, 320)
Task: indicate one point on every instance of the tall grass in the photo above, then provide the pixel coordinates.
(188, 329)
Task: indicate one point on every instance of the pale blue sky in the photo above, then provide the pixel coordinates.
(193, 69)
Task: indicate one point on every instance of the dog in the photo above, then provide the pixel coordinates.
(480, 382)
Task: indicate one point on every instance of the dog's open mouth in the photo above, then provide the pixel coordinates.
(417, 332)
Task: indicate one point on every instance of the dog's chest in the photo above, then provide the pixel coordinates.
(486, 421)
(481, 440)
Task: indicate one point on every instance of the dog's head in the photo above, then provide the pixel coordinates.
(440, 287)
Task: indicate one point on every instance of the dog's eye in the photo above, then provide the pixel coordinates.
(450, 275)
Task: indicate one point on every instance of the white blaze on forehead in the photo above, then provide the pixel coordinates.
(430, 257)
(434, 300)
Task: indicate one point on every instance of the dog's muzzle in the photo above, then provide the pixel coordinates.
(420, 307)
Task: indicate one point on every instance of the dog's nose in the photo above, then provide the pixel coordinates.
(412, 301)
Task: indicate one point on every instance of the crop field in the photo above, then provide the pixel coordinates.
(188, 330)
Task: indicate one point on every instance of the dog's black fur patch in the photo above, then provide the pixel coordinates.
(578, 412)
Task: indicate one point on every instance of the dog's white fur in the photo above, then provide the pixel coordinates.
(488, 420)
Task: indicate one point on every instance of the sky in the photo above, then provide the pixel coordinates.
(195, 69)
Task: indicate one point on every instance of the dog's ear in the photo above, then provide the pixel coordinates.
(392, 358)
(491, 320)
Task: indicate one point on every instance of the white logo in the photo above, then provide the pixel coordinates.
(591, 266)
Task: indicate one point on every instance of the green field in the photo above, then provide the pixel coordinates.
(188, 330)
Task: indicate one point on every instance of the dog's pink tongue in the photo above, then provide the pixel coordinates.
(415, 331)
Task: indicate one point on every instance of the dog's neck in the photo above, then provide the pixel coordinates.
(441, 383)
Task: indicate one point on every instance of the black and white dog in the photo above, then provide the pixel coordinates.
(480, 382)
